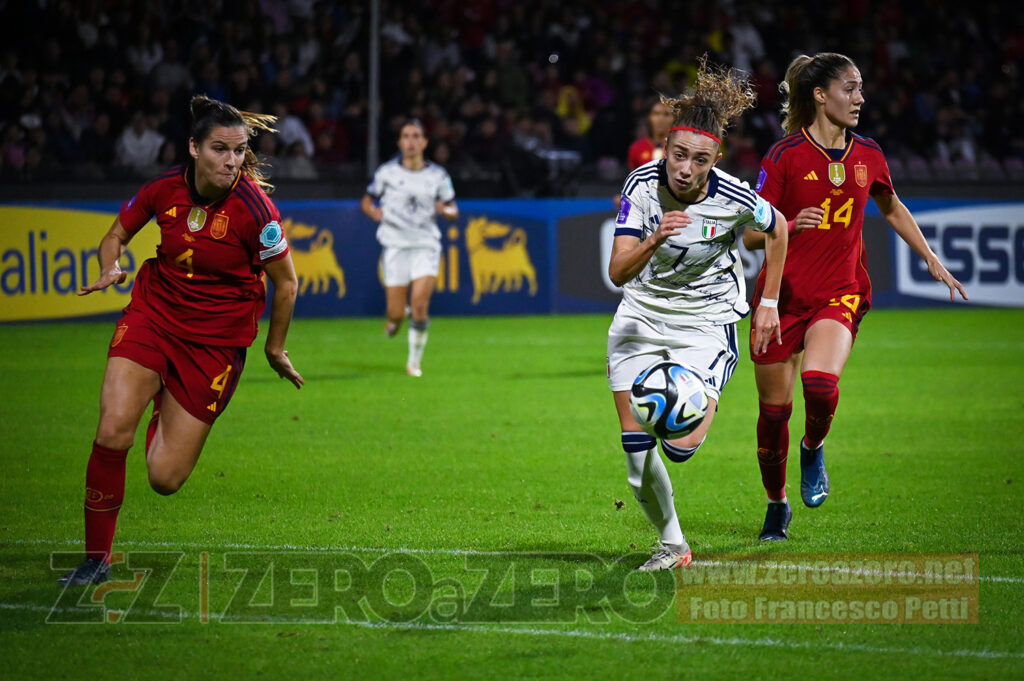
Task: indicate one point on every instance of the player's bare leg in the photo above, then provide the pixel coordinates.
(828, 344)
(775, 397)
(127, 389)
(681, 449)
(396, 297)
(422, 289)
(176, 445)
(648, 478)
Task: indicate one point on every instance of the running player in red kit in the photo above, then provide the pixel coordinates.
(823, 174)
(651, 146)
(182, 340)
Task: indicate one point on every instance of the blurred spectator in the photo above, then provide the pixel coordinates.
(651, 136)
(291, 129)
(330, 141)
(97, 147)
(170, 74)
(295, 164)
(168, 155)
(138, 146)
(483, 74)
(13, 150)
(144, 52)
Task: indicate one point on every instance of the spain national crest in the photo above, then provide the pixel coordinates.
(219, 228)
(196, 219)
(860, 174)
(837, 173)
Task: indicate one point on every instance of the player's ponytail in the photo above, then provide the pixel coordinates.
(209, 113)
(719, 96)
(803, 75)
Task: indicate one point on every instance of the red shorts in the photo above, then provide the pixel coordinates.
(847, 310)
(201, 377)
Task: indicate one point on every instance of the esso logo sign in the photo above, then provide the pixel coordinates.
(982, 246)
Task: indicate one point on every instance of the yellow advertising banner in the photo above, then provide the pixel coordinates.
(47, 254)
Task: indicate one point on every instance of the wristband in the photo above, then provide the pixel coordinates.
(792, 226)
(769, 302)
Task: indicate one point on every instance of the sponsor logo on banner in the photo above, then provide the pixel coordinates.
(315, 262)
(981, 245)
(498, 258)
(837, 173)
(47, 254)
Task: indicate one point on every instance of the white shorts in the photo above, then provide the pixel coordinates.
(635, 343)
(399, 266)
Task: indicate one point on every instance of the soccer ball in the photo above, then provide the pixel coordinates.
(668, 400)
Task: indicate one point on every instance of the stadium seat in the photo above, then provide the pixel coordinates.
(918, 170)
(942, 170)
(989, 170)
(897, 170)
(1014, 168)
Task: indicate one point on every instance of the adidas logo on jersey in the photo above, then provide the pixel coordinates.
(811, 176)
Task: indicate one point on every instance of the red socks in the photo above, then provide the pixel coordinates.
(821, 396)
(773, 447)
(104, 493)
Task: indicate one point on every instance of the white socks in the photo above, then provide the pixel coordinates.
(651, 485)
(417, 341)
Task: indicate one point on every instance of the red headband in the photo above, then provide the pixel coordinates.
(699, 132)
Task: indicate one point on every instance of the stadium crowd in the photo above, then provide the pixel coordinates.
(525, 93)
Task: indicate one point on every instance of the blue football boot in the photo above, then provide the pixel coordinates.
(90, 571)
(776, 521)
(813, 478)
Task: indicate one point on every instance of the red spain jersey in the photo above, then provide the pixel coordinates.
(206, 282)
(829, 262)
(642, 151)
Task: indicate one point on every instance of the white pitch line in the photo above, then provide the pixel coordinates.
(999, 579)
(652, 637)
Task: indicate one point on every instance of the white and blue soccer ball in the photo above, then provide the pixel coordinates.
(668, 400)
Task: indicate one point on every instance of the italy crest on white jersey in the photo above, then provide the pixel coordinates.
(694, 277)
(407, 198)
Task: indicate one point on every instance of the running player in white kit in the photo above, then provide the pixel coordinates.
(405, 197)
(675, 255)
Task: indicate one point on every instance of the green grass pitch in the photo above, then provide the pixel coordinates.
(467, 524)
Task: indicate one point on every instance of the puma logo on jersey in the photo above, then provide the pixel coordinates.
(811, 176)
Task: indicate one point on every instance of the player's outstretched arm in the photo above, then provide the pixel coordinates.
(899, 217)
(766, 326)
(286, 286)
(630, 255)
(112, 247)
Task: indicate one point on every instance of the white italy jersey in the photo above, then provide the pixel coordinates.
(696, 276)
(407, 198)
